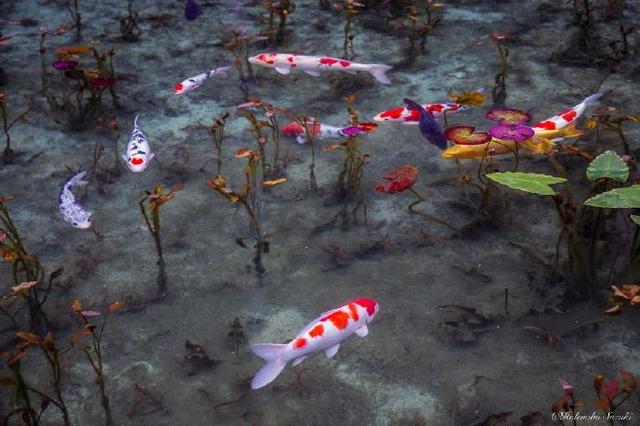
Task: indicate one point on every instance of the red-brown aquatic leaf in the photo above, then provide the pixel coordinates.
(561, 404)
(76, 305)
(614, 310)
(48, 342)
(5, 198)
(274, 182)
(618, 294)
(16, 357)
(631, 290)
(629, 380)
(635, 300)
(602, 404)
(611, 389)
(332, 147)
(597, 382)
(29, 337)
(177, 187)
(115, 306)
(244, 152)
(398, 179)
(78, 334)
(497, 36)
(466, 135)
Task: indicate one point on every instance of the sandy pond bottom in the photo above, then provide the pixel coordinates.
(420, 364)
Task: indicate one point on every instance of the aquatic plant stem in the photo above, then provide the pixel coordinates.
(153, 225)
(421, 199)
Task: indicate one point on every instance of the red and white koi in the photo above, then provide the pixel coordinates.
(313, 65)
(138, 155)
(318, 130)
(547, 127)
(72, 212)
(197, 81)
(403, 115)
(325, 333)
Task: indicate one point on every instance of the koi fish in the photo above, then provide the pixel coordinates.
(325, 333)
(547, 127)
(325, 131)
(429, 127)
(196, 81)
(139, 152)
(403, 115)
(313, 65)
(551, 130)
(72, 211)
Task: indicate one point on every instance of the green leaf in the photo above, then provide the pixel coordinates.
(533, 183)
(618, 198)
(608, 165)
(635, 218)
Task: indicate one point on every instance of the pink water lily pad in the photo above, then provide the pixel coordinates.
(508, 116)
(466, 135)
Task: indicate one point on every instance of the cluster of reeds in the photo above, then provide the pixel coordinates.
(499, 91)
(150, 210)
(349, 9)
(8, 154)
(282, 9)
(417, 25)
(239, 45)
(129, 29)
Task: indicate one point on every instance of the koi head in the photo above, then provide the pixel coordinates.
(292, 129)
(264, 59)
(370, 305)
(82, 221)
(185, 86)
(137, 164)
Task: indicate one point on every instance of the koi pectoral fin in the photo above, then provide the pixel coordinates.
(332, 351)
(362, 331)
(299, 360)
(282, 70)
(313, 73)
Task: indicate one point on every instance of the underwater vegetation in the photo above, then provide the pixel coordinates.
(480, 188)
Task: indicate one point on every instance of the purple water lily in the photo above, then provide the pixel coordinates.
(351, 131)
(192, 10)
(511, 132)
(64, 65)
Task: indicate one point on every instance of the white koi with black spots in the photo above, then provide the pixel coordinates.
(196, 81)
(72, 211)
(139, 153)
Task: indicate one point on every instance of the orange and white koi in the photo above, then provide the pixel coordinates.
(196, 81)
(313, 65)
(321, 131)
(547, 127)
(325, 333)
(402, 115)
(139, 153)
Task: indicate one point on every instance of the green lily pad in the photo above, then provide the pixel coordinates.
(533, 183)
(618, 198)
(635, 218)
(608, 165)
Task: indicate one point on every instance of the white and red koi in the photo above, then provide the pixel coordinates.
(403, 115)
(313, 65)
(325, 333)
(71, 210)
(325, 131)
(139, 153)
(196, 81)
(563, 119)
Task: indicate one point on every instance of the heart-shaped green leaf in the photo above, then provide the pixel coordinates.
(608, 165)
(618, 198)
(533, 183)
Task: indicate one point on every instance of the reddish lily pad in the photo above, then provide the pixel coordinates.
(511, 132)
(398, 179)
(466, 135)
(508, 116)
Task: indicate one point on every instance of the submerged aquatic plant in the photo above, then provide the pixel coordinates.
(238, 45)
(76, 18)
(93, 352)
(129, 29)
(8, 154)
(500, 88)
(417, 26)
(247, 197)
(402, 179)
(350, 9)
(629, 293)
(610, 396)
(281, 8)
(150, 210)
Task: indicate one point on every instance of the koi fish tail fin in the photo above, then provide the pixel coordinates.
(592, 100)
(223, 70)
(378, 71)
(77, 180)
(135, 121)
(273, 354)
